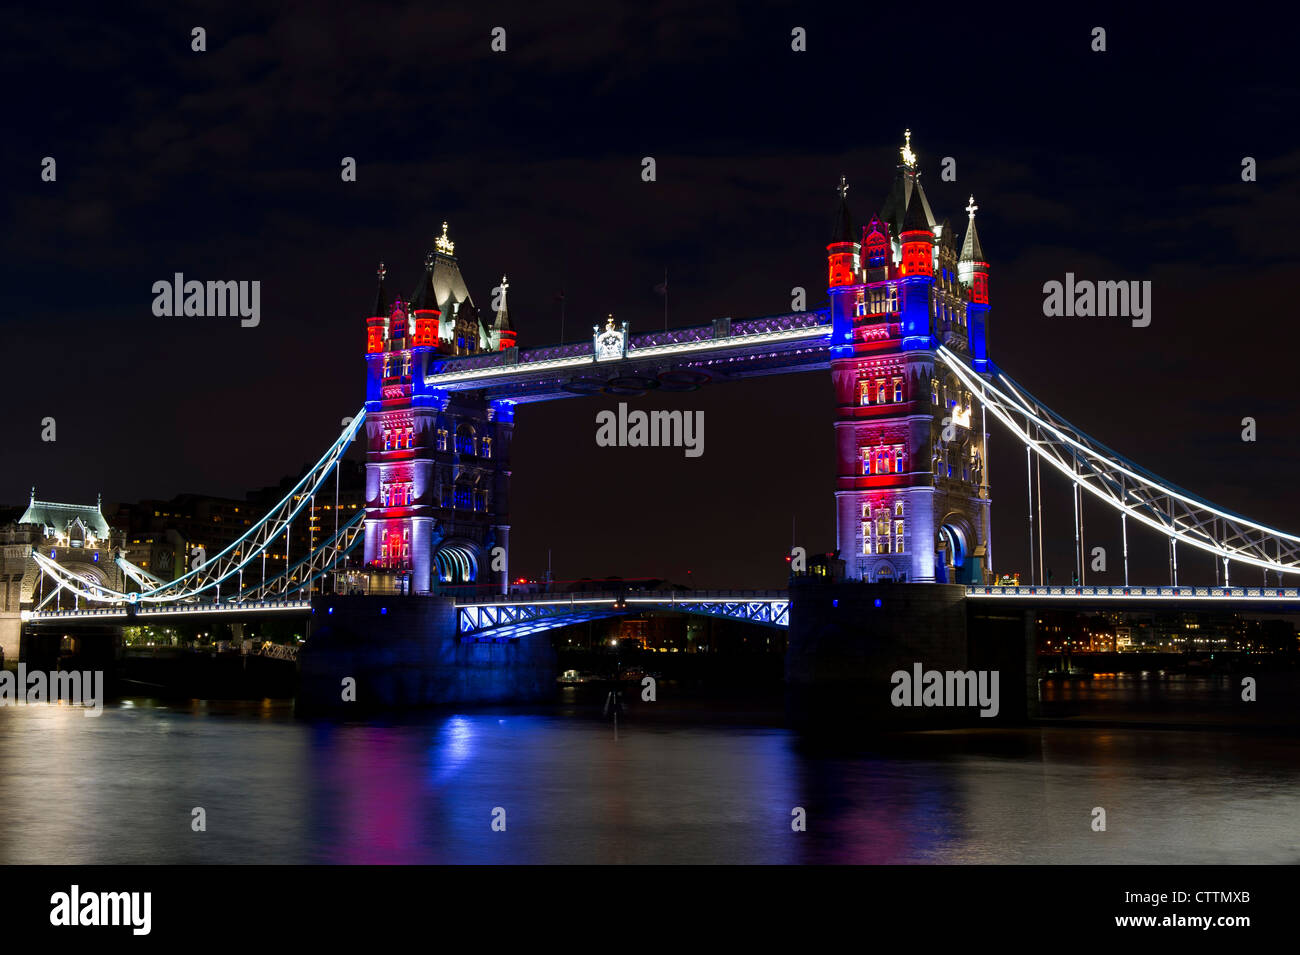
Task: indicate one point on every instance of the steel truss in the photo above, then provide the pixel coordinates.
(231, 561)
(1124, 486)
(516, 616)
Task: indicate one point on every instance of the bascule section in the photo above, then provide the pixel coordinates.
(912, 492)
(437, 461)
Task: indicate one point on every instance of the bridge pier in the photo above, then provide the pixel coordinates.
(860, 658)
(405, 652)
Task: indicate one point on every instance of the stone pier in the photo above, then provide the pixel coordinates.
(404, 652)
(848, 639)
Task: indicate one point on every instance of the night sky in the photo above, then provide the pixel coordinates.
(1123, 165)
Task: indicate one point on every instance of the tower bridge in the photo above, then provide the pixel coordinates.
(905, 338)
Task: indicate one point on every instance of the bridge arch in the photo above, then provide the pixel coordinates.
(457, 561)
(953, 547)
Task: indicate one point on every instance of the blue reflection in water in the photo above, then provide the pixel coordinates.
(685, 790)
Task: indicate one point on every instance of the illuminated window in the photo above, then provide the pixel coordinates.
(410, 437)
(485, 447)
(934, 391)
(465, 441)
(866, 537)
(388, 440)
(866, 460)
(882, 533)
(898, 528)
(898, 459)
(463, 500)
(864, 392)
(406, 364)
(442, 439)
(880, 392)
(898, 389)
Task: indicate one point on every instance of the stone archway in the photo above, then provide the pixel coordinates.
(456, 562)
(954, 547)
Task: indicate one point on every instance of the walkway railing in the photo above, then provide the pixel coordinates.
(1132, 592)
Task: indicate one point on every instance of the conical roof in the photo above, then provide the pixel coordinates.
(423, 298)
(970, 246)
(917, 218)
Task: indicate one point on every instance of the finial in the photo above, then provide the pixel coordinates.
(972, 207)
(609, 323)
(444, 244)
(843, 188)
(381, 272)
(33, 493)
(99, 501)
(909, 157)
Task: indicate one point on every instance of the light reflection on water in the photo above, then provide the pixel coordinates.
(120, 788)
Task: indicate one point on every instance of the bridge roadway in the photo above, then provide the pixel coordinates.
(505, 617)
(674, 360)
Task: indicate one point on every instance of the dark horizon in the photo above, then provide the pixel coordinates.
(1123, 165)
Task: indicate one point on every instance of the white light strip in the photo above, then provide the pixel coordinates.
(1135, 593)
(650, 351)
(980, 387)
(1116, 465)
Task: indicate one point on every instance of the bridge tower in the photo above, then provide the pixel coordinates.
(912, 493)
(437, 464)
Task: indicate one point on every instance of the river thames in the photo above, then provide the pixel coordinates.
(680, 784)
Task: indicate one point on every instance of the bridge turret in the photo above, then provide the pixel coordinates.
(911, 498)
(378, 316)
(916, 274)
(503, 333)
(973, 270)
(842, 257)
(424, 307)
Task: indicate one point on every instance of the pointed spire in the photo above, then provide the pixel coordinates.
(381, 297)
(502, 322)
(970, 247)
(33, 497)
(425, 298)
(916, 218)
(843, 230)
